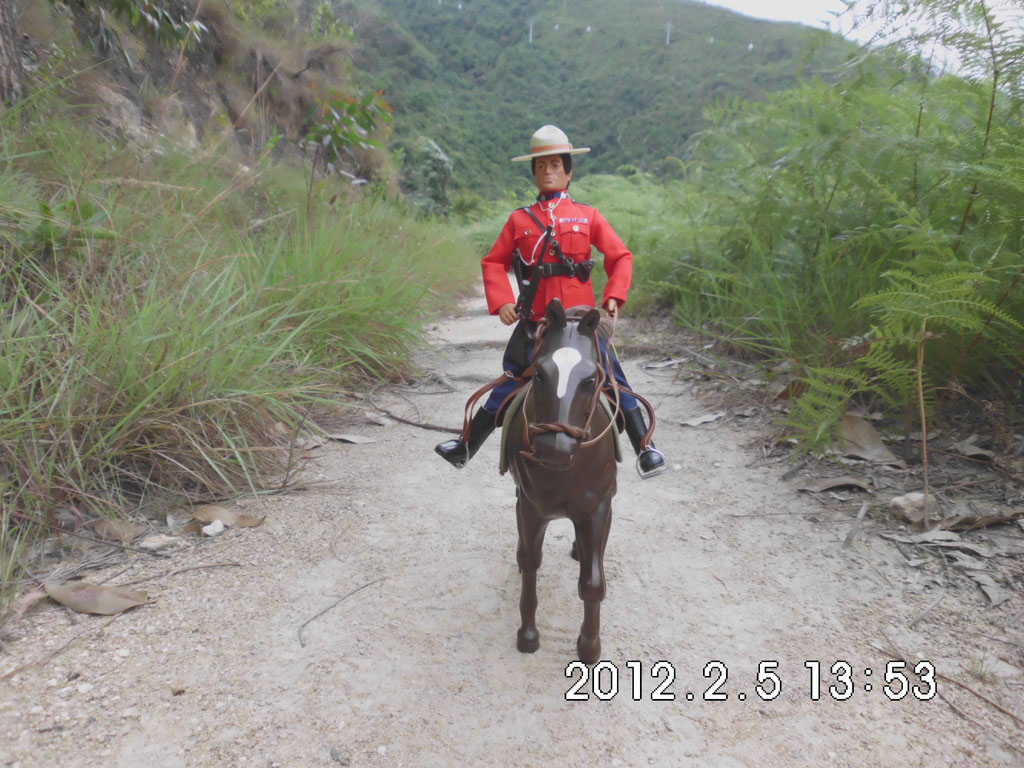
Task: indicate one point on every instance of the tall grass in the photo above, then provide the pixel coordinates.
(152, 344)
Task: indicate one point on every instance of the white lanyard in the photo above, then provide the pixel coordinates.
(552, 205)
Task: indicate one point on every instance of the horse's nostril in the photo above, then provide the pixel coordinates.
(556, 450)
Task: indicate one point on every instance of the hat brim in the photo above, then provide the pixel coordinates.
(547, 153)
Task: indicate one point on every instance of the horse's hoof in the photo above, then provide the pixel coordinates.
(588, 649)
(527, 640)
(574, 553)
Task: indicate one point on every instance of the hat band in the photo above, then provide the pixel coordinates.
(551, 148)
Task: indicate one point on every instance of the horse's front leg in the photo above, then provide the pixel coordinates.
(528, 555)
(591, 537)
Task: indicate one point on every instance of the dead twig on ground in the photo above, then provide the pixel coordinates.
(176, 571)
(51, 654)
(848, 541)
(335, 604)
(894, 651)
(981, 696)
(724, 586)
(61, 532)
(386, 412)
(797, 512)
(932, 606)
(791, 472)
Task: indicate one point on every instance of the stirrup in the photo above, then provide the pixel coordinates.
(656, 470)
(457, 460)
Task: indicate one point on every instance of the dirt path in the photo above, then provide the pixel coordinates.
(716, 561)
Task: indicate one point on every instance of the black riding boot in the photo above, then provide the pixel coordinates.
(456, 452)
(650, 461)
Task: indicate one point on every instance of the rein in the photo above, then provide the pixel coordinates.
(579, 433)
(582, 434)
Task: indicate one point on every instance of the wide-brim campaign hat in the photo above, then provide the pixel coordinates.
(550, 140)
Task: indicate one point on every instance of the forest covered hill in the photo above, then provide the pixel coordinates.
(630, 80)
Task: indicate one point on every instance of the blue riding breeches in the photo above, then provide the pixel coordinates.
(516, 360)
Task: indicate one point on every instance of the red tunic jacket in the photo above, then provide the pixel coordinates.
(577, 227)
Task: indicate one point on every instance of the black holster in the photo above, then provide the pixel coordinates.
(517, 350)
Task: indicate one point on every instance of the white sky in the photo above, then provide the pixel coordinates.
(816, 13)
(813, 13)
(809, 12)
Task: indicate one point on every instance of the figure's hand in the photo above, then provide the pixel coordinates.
(507, 314)
(612, 307)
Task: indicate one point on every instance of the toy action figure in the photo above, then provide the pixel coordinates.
(547, 245)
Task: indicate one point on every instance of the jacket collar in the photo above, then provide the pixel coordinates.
(544, 197)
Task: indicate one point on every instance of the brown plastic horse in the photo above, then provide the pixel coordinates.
(561, 452)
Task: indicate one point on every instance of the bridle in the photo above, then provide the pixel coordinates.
(531, 428)
(579, 433)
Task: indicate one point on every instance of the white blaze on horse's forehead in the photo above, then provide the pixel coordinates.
(566, 358)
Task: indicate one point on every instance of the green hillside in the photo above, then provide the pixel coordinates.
(629, 80)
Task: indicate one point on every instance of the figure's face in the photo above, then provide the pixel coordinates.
(550, 175)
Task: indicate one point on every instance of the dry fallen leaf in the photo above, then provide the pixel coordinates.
(995, 593)
(971, 516)
(159, 541)
(355, 439)
(943, 540)
(965, 561)
(83, 597)
(26, 602)
(860, 439)
(792, 390)
(970, 450)
(193, 528)
(934, 537)
(707, 418)
(376, 418)
(830, 483)
(663, 364)
(212, 512)
(118, 530)
(979, 549)
(963, 517)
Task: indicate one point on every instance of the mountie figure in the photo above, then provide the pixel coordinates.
(547, 245)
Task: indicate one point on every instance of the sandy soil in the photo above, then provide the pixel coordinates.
(717, 561)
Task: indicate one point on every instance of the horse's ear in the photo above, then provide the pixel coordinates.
(590, 322)
(555, 314)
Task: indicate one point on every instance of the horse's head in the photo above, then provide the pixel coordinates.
(567, 377)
